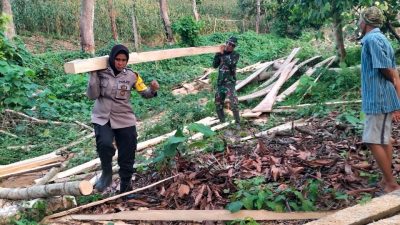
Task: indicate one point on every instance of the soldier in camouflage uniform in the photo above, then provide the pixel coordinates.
(226, 61)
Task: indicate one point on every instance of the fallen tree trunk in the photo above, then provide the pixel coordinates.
(39, 168)
(200, 215)
(99, 63)
(75, 188)
(7, 170)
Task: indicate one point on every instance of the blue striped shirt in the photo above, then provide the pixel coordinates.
(378, 94)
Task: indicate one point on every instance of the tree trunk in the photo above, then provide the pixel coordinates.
(338, 30)
(258, 16)
(136, 37)
(166, 22)
(195, 13)
(111, 12)
(86, 26)
(10, 28)
(75, 188)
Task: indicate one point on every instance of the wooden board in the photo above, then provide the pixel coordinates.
(374, 210)
(199, 215)
(248, 79)
(266, 104)
(394, 220)
(285, 126)
(99, 63)
(308, 73)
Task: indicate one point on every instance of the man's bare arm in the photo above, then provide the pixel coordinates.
(392, 75)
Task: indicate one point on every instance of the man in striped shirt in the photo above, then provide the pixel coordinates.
(380, 90)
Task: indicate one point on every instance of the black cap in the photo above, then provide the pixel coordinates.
(232, 40)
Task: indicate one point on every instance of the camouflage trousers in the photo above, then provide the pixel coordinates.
(223, 92)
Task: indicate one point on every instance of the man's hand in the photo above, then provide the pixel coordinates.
(222, 49)
(396, 116)
(154, 85)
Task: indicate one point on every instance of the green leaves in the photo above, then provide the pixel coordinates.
(197, 127)
(188, 29)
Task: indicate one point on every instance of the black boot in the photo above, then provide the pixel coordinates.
(221, 116)
(125, 186)
(105, 178)
(236, 115)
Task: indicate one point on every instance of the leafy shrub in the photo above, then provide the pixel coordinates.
(188, 29)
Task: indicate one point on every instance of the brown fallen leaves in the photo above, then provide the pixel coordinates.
(334, 154)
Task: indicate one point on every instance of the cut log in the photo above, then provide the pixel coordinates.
(99, 63)
(49, 175)
(249, 68)
(283, 127)
(377, 208)
(200, 215)
(75, 188)
(51, 155)
(266, 104)
(77, 209)
(308, 73)
(281, 68)
(253, 76)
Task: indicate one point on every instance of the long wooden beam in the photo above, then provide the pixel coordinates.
(99, 63)
(376, 209)
(199, 215)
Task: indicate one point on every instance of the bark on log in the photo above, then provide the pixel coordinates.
(111, 12)
(75, 188)
(98, 63)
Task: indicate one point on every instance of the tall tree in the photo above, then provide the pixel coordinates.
(322, 11)
(166, 22)
(136, 37)
(195, 12)
(258, 16)
(7, 10)
(111, 12)
(86, 26)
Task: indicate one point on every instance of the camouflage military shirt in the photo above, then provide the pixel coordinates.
(226, 64)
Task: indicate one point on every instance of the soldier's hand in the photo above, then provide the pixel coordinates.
(154, 85)
(221, 49)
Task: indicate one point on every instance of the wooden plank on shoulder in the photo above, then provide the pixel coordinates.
(99, 63)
